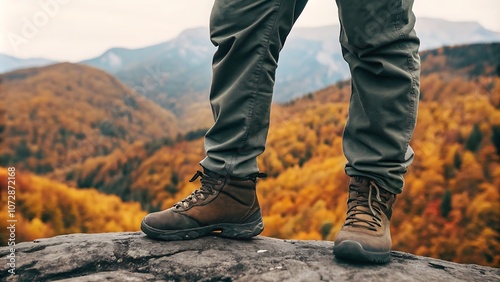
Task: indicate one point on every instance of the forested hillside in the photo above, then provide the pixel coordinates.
(62, 114)
(465, 61)
(450, 208)
(46, 208)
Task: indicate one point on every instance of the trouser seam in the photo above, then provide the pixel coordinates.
(411, 71)
(412, 110)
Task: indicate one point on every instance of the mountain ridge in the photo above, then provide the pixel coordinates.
(75, 110)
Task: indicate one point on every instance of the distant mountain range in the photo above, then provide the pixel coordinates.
(176, 74)
(310, 60)
(9, 63)
(435, 33)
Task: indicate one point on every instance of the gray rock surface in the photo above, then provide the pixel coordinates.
(134, 257)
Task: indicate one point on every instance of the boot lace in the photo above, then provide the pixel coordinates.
(206, 189)
(366, 211)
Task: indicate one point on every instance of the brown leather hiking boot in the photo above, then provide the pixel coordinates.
(222, 204)
(365, 235)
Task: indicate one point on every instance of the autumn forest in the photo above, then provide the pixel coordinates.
(93, 156)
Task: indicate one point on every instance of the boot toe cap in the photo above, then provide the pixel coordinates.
(169, 220)
(369, 243)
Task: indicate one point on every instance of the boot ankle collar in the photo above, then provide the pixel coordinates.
(215, 175)
(209, 174)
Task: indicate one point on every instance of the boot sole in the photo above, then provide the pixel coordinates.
(226, 230)
(353, 251)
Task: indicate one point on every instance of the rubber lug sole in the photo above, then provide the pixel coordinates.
(226, 230)
(353, 251)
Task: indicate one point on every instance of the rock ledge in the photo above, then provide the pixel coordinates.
(134, 257)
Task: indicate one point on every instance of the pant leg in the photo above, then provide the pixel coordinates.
(381, 47)
(249, 35)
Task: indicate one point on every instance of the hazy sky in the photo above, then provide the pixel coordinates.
(73, 30)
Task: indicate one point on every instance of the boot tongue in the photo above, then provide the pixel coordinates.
(362, 214)
(364, 207)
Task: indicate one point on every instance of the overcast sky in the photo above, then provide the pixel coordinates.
(73, 30)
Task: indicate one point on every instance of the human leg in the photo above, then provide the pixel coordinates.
(249, 36)
(381, 47)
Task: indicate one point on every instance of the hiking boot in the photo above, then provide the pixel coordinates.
(365, 235)
(225, 205)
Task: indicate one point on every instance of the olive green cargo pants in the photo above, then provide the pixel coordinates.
(381, 47)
